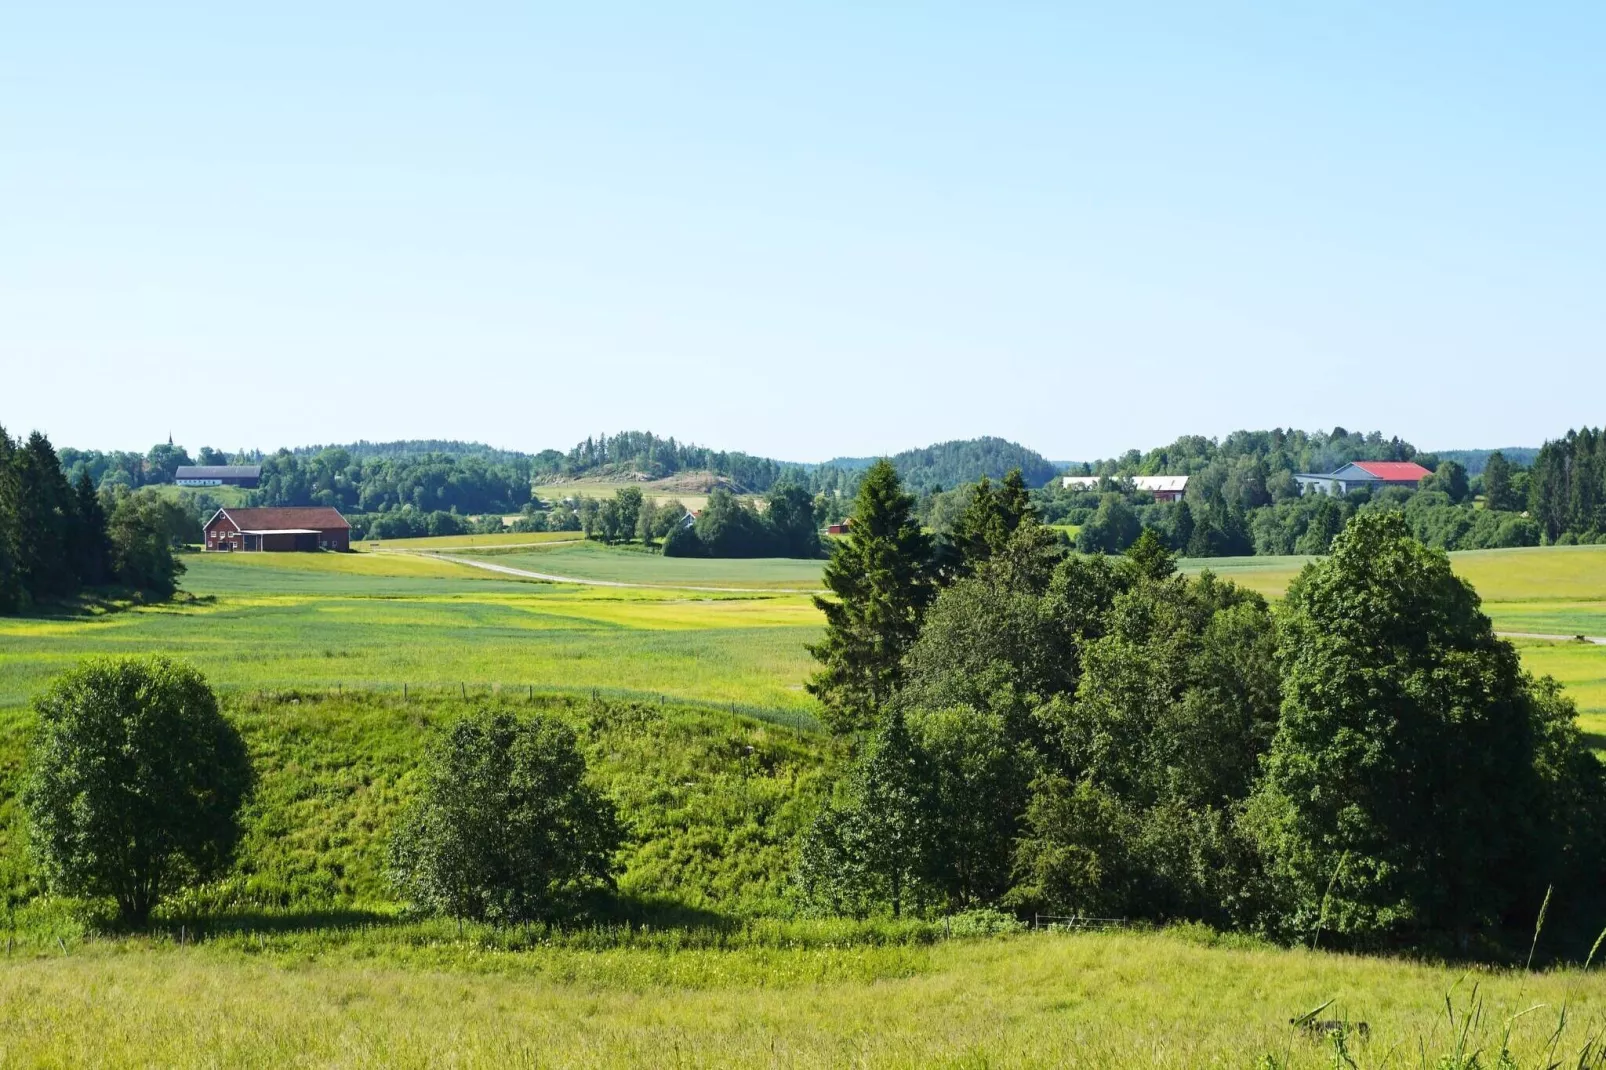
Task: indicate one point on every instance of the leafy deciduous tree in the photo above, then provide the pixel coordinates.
(135, 783)
(506, 828)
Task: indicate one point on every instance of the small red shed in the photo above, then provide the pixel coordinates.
(308, 528)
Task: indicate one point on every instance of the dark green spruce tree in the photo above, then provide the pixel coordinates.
(991, 516)
(1497, 492)
(93, 549)
(10, 577)
(881, 578)
(45, 521)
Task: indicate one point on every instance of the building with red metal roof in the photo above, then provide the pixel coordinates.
(1357, 474)
(293, 528)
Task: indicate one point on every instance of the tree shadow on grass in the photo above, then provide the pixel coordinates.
(599, 912)
(271, 921)
(106, 601)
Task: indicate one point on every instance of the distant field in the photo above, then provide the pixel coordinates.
(661, 491)
(382, 620)
(1550, 590)
(594, 562)
(229, 497)
(455, 542)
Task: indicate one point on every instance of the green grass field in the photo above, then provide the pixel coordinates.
(460, 542)
(265, 621)
(1173, 1000)
(304, 960)
(592, 561)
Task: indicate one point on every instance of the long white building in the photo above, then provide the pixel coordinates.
(1164, 488)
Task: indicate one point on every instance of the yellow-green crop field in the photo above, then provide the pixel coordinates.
(461, 542)
(591, 561)
(381, 621)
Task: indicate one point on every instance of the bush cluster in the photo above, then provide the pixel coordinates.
(1085, 735)
(136, 784)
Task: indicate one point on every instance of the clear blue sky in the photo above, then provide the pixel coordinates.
(829, 229)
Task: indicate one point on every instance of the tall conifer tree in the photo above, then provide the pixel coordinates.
(93, 543)
(45, 522)
(1497, 483)
(880, 575)
(10, 576)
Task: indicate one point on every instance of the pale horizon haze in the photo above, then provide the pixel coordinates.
(801, 232)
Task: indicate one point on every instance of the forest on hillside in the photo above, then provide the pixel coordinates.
(1242, 498)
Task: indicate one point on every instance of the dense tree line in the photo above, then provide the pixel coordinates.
(59, 538)
(364, 450)
(649, 456)
(1242, 497)
(1102, 736)
(1567, 487)
(426, 482)
(947, 464)
(730, 527)
(119, 468)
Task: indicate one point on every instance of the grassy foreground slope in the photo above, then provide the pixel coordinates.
(713, 803)
(1038, 999)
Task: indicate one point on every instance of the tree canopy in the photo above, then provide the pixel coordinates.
(135, 783)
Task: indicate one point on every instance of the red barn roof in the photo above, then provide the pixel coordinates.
(313, 518)
(1394, 471)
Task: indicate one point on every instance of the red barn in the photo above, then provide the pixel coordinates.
(313, 528)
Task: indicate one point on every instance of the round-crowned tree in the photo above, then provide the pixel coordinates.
(506, 829)
(135, 782)
(1419, 780)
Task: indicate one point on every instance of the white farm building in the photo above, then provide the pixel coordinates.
(1164, 488)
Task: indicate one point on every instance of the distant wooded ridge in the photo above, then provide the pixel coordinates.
(473, 476)
(945, 463)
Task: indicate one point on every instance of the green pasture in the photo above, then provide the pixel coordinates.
(659, 491)
(228, 497)
(460, 542)
(698, 960)
(387, 619)
(275, 621)
(1562, 577)
(1175, 999)
(592, 561)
